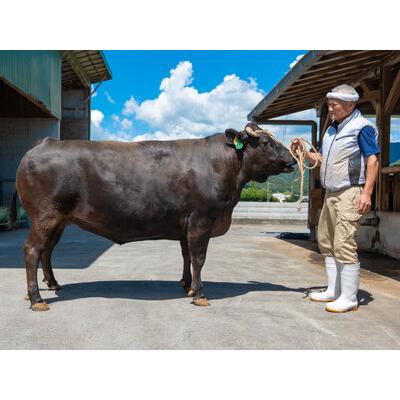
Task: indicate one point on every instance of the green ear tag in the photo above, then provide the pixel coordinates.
(238, 143)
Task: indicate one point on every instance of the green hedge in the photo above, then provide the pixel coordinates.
(256, 194)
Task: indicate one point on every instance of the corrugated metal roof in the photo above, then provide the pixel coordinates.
(36, 75)
(84, 67)
(307, 83)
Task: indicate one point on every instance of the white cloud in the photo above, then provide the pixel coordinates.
(130, 107)
(96, 118)
(181, 111)
(395, 130)
(298, 58)
(98, 132)
(109, 98)
(126, 124)
(115, 118)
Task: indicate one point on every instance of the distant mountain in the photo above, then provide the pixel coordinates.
(394, 153)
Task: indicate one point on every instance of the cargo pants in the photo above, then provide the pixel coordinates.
(338, 225)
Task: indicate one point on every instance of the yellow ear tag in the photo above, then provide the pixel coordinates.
(238, 143)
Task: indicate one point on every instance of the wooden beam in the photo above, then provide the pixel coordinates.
(367, 92)
(322, 83)
(355, 81)
(394, 169)
(342, 65)
(383, 123)
(393, 95)
(393, 59)
(77, 67)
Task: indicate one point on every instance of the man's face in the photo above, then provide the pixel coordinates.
(339, 109)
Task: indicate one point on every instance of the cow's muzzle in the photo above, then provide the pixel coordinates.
(290, 166)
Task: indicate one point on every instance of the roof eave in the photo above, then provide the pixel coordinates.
(291, 76)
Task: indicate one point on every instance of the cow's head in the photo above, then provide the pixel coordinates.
(264, 156)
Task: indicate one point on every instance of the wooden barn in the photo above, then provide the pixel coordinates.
(376, 77)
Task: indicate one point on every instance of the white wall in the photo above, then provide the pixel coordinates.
(384, 238)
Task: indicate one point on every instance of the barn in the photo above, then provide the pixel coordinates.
(376, 77)
(43, 93)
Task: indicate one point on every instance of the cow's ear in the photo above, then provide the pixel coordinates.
(235, 139)
(231, 134)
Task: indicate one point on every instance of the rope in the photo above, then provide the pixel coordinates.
(300, 158)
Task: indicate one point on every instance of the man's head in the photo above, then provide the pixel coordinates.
(341, 102)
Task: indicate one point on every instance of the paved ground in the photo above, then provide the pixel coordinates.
(127, 297)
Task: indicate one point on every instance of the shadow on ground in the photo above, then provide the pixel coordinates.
(161, 290)
(363, 296)
(169, 290)
(77, 248)
(374, 262)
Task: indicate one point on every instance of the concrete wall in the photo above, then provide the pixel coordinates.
(17, 136)
(271, 212)
(75, 123)
(384, 238)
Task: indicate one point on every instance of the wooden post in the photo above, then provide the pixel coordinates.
(383, 124)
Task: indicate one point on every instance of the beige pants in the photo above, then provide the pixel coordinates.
(338, 225)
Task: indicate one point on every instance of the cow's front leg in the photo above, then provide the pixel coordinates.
(198, 238)
(186, 280)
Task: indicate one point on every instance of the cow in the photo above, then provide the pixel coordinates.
(181, 190)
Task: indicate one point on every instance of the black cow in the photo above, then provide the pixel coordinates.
(178, 190)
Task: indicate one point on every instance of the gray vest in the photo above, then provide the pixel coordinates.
(343, 164)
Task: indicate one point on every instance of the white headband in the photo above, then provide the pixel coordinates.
(343, 96)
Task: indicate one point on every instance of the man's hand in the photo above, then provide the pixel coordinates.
(295, 145)
(364, 203)
(314, 158)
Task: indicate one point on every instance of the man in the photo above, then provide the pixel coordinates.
(349, 166)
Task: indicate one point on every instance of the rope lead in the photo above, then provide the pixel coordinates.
(300, 156)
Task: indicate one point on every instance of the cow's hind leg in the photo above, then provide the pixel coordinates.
(186, 280)
(45, 260)
(40, 237)
(198, 237)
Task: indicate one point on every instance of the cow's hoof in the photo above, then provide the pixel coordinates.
(27, 297)
(202, 302)
(54, 286)
(40, 307)
(186, 287)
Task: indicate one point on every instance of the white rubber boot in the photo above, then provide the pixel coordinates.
(332, 292)
(350, 281)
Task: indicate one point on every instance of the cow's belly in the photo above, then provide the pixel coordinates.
(120, 228)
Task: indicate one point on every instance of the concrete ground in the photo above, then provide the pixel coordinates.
(128, 297)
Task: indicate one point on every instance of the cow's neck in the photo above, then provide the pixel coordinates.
(242, 170)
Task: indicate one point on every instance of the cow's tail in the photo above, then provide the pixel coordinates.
(13, 213)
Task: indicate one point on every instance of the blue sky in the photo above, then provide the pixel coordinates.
(189, 94)
(177, 94)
